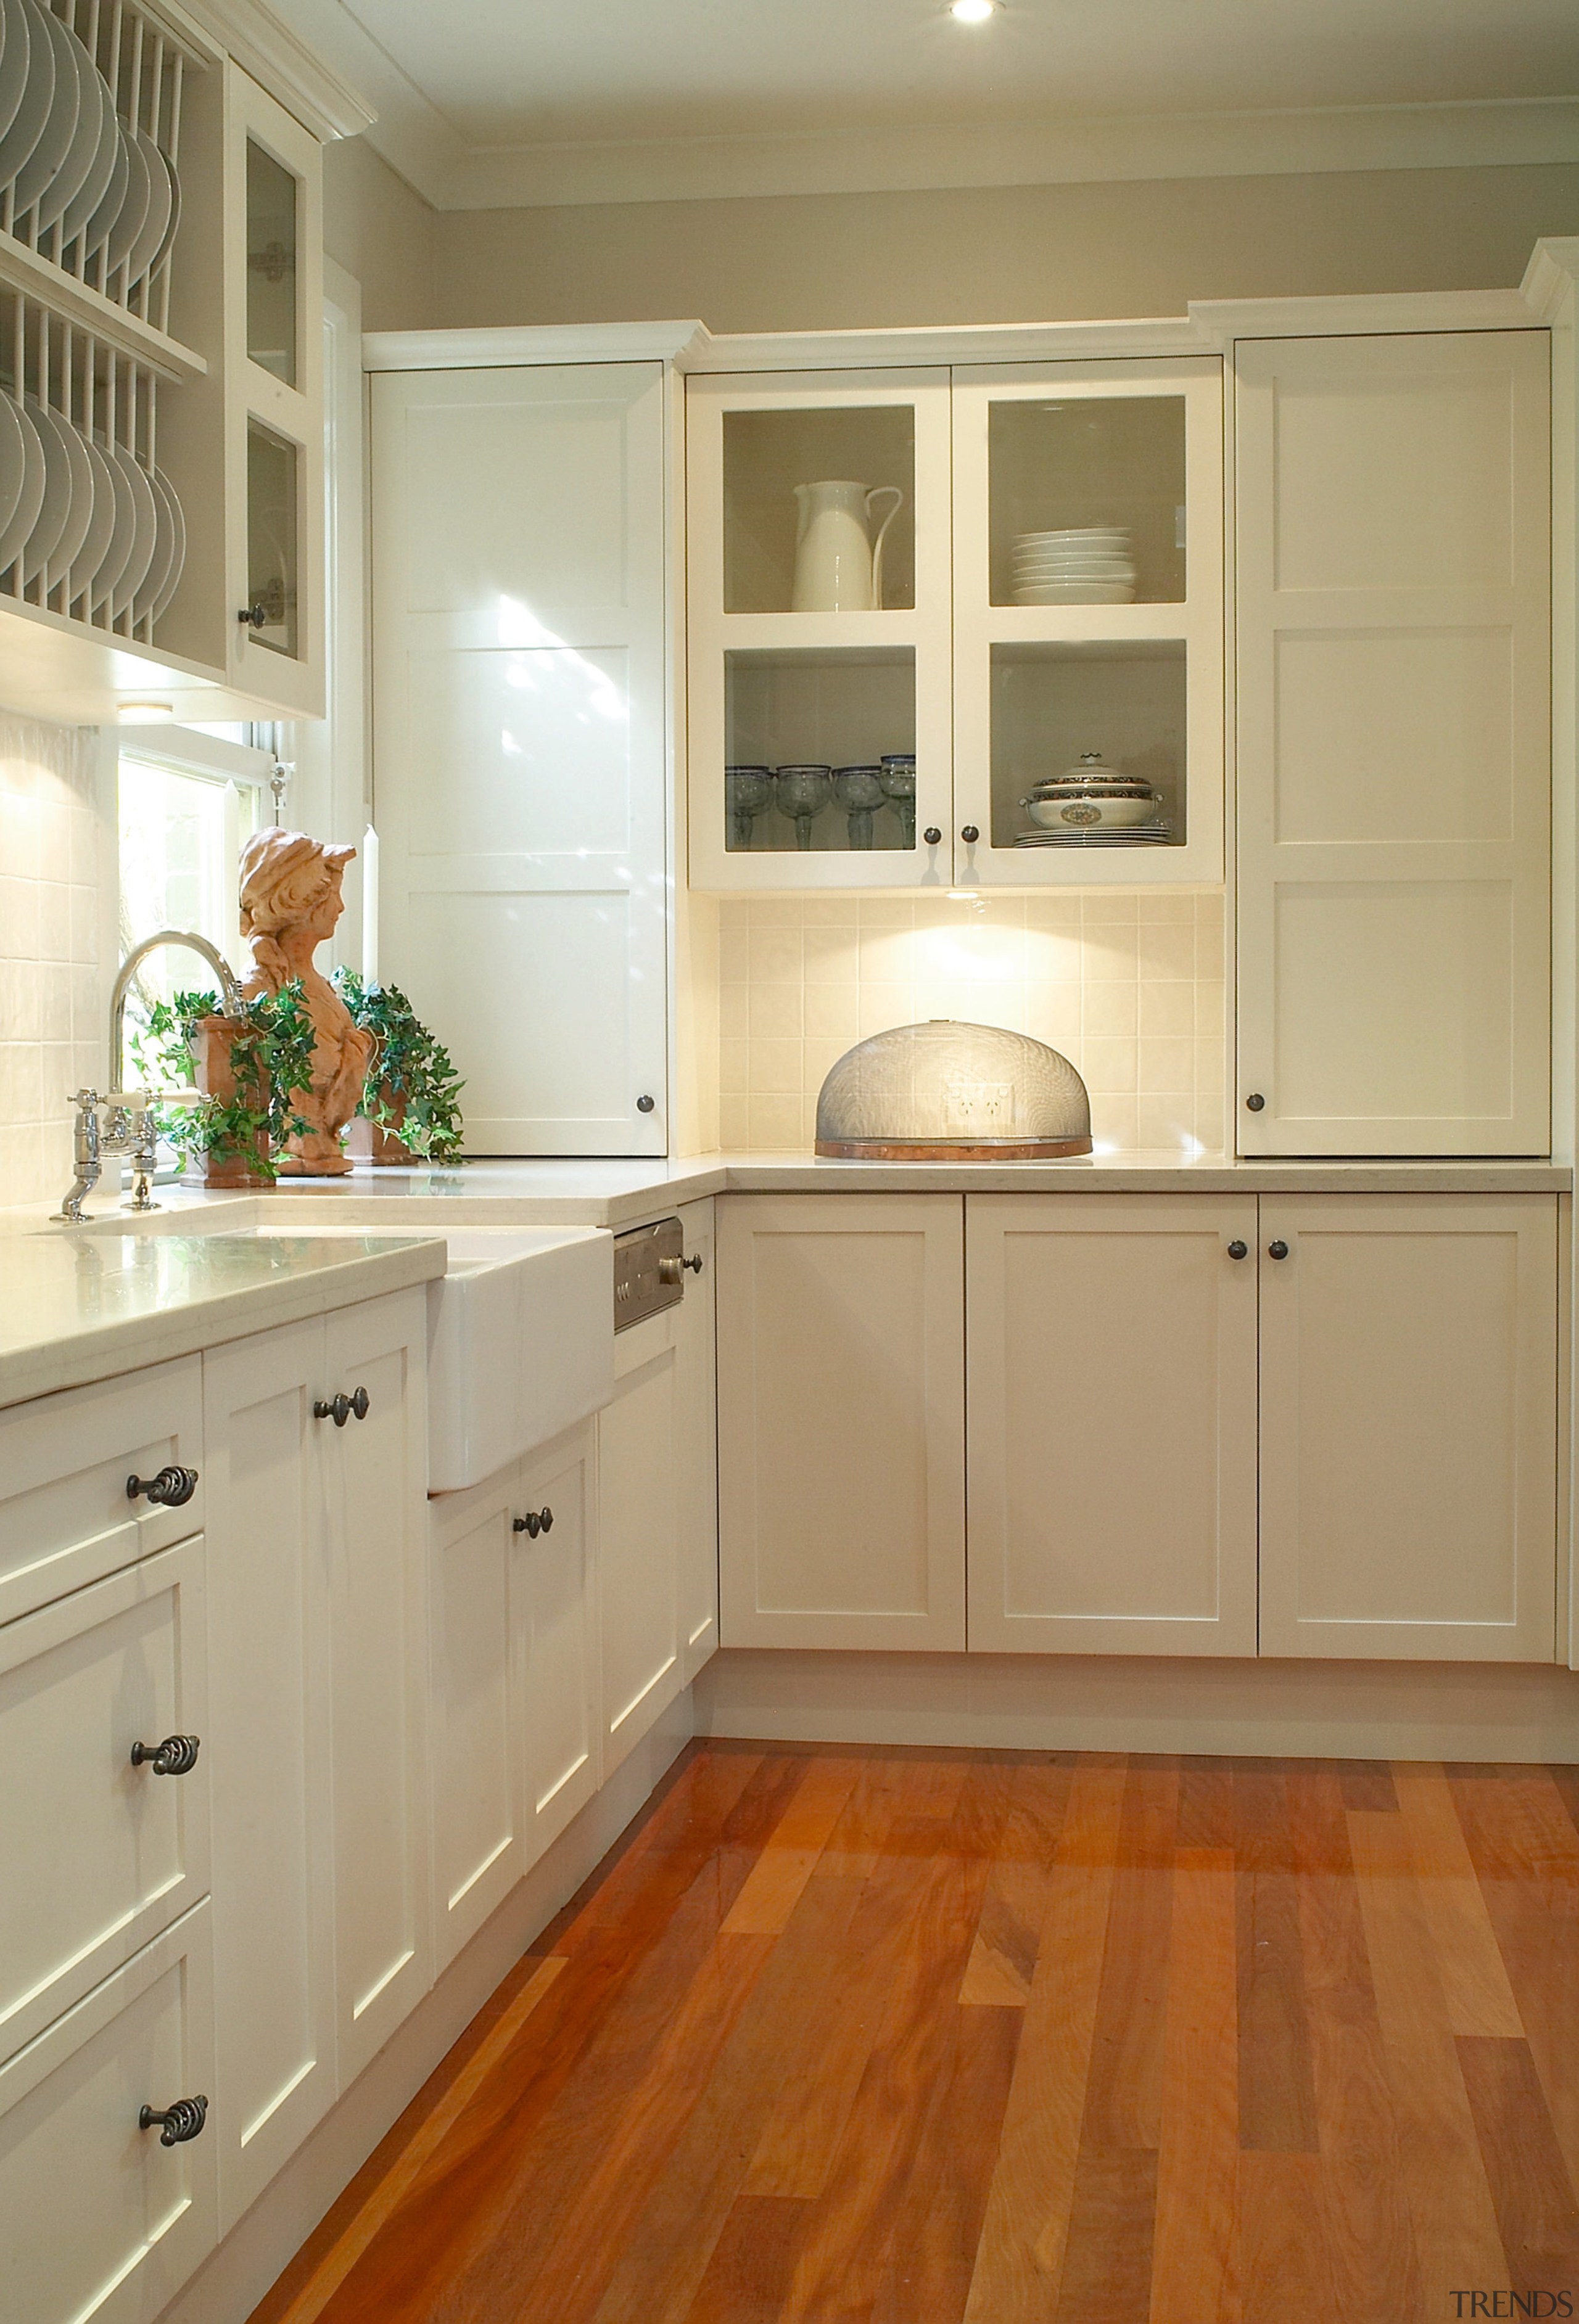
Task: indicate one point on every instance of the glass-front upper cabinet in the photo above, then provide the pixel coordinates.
(1088, 623)
(819, 583)
(274, 353)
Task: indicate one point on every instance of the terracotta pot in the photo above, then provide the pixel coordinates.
(214, 1073)
(370, 1143)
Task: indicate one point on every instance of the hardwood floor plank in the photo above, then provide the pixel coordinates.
(1370, 2233)
(1530, 2182)
(1021, 2258)
(1123, 2092)
(1526, 1853)
(1002, 1957)
(1276, 2096)
(1475, 1977)
(1107, 2257)
(1367, 1786)
(1195, 2258)
(933, 2248)
(748, 2274)
(1283, 2264)
(1455, 2233)
(773, 1886)
(1206, 1803)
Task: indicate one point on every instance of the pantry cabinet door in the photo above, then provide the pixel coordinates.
(556, 1507)
(1393, 624)
(475, 1656)
(1112, 1448)
(375, 1482)
(268, 1753)
(520, 719)
(841, 1420)
(1409, 1426)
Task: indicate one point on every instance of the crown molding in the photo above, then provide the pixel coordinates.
(1220, 321)
(548, 343)
(1550, 276)
(960, 344)
(296, 75)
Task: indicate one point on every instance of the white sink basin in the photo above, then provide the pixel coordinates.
(521, 1337)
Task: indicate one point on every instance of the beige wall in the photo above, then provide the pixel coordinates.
(383, 233)
(997, 254)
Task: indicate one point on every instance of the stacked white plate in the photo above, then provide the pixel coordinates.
(1081, 565)
(82, 511)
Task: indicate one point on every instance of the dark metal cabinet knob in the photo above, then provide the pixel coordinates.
(342, 1408)
(171, 1489)
(176, 1756)
(932, 835)
(176, 2123)
(254, 617)
(1276, 1250)
(534, 1522)
(1255, 1102)
(1237, 1250)
(969, 834)
(645, 1104)
(669, 1270)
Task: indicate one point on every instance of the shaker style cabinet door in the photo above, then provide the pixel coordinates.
(697, 1406)
(556, 1511)
(638, 1541)
(1409, 1426)
(1393, 623)
(1112, 1443)
(841, 1420)
(520, 719)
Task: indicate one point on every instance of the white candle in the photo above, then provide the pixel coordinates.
(370, 906)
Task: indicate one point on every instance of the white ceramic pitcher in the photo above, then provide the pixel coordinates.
(839, 568)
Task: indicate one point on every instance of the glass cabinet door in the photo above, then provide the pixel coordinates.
(1088, 623)
(819, 574)
(273, 207)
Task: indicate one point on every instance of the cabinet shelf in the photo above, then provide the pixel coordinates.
(79, 303)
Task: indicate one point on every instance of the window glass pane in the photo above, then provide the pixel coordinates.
(180, 838)
(271, 265)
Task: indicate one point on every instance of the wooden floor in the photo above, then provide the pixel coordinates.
(908, 2037)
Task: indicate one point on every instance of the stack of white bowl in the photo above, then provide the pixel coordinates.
(1083, 564)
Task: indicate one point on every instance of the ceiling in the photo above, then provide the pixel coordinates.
(501, 101)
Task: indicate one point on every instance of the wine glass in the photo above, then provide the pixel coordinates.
(858, 790)
(747, 790)
(803, 793)
(898, 778)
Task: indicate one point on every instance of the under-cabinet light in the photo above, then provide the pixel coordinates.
(145, 714)
(972, 11)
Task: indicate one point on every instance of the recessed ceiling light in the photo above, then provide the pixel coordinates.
(972, 11)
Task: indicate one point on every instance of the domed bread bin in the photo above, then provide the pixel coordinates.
(949, 1093)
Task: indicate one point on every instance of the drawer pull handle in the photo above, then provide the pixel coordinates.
(178, 2123)
(669, 1270)
(534, 1522)
(1276, 1250)
(1237, 1250)
(171, 1489)
(176, 1756)
(341, 1408)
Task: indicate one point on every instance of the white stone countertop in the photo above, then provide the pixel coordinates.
(76, 1306)
(84, 1304)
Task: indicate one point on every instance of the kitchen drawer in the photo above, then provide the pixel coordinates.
(97, 2218)
(65, 1517)
(98, 1855)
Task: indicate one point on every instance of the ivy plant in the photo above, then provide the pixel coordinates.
(413, 1090)
(271, 1058)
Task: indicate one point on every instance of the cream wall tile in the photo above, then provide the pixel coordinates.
(1113, 1123)
(733, 955)
(831, 1011)
(1165, 1121)
(775, 1012)
(733, 1067)
(734, 912)
(1109, 1009)
(1153, 907)
(1052, 1014)
(54, 920)
(1166, 1008)
(886, 956)
(734, 1123)
(887, 912)
(1168, 951)
(1109, 907)
(838, 911)
(775, 956)
(733, 1011)
(776, 1124)
(1166, 1064)
(830, 955)
(1109, 1066)
(774, 1068)
(881, 1006)
(1109, 949)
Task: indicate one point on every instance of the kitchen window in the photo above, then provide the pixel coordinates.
(188, 802)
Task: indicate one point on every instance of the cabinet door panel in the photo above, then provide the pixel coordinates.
(520, 731)
(375, 1473)
(1393, 623)
(120, 1662)
(478, 1849)
(1112, 1352)
(269, 1754)
(97, 2220)
(841, 1420)
(698, 1396)
(638, 1537)
(559, 1621)
(1408, 1427)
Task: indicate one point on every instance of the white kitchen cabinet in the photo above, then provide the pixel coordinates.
(1409, 1426)
(655, 1513)
(841, 1420)
(1393, 624)
(514, 1689)
(521, 739)
(100, 1854)
(988, 693)
(315, 1642)
(98, 2217)
(1111, 1354)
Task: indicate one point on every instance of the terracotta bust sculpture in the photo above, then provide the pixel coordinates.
(290, 902)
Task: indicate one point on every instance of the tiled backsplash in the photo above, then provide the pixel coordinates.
(1128, 987)
(51, 1035)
